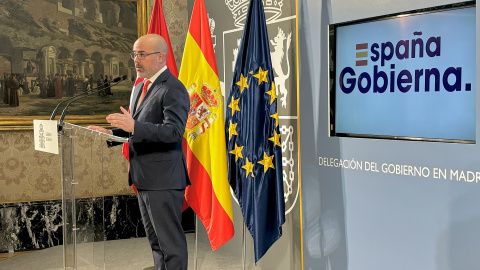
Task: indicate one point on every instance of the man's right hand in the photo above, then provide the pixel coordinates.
(100, 129)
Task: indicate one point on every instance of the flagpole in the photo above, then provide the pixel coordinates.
(196, 244)
(244, 246)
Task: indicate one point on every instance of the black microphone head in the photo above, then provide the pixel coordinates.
(117, 79)
(124, 77)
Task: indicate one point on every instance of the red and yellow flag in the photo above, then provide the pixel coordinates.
(204, 138)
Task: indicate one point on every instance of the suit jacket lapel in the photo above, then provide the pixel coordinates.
(136, 94)
(155, 87)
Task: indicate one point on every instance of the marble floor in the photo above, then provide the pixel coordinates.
(126, 254)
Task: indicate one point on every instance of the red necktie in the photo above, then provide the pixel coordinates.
(144, 91)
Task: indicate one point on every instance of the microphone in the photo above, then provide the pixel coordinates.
(119, 79)
(93, 91)
(87, 93)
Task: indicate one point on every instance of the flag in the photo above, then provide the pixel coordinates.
(204, 138)
(253, 137)
(157, 26)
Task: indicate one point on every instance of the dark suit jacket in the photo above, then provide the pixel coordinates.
(157, 161)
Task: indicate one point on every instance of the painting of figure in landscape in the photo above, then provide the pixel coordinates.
(52, 50)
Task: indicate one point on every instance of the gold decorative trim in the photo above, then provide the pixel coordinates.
(142, 17)
(299, 137)
(26, 122)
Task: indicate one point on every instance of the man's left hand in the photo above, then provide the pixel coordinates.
(122, 120)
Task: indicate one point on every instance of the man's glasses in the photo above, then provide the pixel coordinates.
(141, 55)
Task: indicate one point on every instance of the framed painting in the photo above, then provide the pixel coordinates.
(52, 51)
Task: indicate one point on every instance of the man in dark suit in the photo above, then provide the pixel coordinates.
(158, 169)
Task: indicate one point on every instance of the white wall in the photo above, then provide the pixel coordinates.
(362, 220)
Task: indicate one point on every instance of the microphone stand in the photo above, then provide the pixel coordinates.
(87, 93)
(93, 91)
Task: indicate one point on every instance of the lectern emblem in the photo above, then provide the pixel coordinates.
(41, 137)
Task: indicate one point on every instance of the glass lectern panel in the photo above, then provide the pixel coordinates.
(83, 153)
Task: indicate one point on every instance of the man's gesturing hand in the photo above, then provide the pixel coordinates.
(122, 120)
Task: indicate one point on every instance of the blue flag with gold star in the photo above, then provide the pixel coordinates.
(253, 137)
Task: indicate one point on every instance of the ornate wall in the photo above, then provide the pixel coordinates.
(28, 175)
(30, 181)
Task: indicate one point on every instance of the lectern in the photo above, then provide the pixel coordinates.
(83, 152)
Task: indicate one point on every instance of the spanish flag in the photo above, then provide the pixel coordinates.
(204, 138)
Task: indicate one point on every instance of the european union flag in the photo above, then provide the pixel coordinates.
(253, 137)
